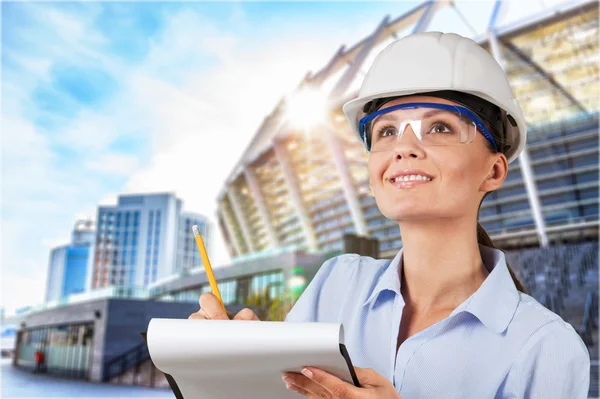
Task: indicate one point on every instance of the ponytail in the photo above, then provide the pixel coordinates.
(484, 239)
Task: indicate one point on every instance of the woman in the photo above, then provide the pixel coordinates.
(446, 318)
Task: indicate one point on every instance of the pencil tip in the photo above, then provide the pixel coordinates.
(196, 230)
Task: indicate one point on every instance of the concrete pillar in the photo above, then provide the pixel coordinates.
(534, 200)
(348, 185)
(283, 157)
(526, 169)
(259, 199)
(241, 217)
(229, 225)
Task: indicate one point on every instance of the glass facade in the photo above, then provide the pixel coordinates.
(66, 349)
(139, 241)
(75, 269)
(67, 271)
(242, 290)
(188, 256)
(117, 247)
(152, 246)
(270, 284)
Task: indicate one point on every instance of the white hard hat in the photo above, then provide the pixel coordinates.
(435, 61)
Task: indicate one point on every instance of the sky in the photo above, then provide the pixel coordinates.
(105, 98)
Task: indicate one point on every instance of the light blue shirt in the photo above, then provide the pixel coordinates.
(498, 343)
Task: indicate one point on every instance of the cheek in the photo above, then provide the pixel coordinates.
(460, 179)
(376, 167)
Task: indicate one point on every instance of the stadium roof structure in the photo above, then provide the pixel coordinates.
(551, 60)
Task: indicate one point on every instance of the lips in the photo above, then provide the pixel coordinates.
(409, 175)
(409, 178)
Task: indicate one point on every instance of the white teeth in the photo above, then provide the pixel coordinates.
(410, 178)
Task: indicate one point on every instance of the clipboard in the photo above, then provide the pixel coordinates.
(178, 392)
(169, 378)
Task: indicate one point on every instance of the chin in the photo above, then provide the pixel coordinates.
(409, 210)
(400, 214)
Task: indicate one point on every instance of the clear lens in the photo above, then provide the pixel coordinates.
(431, 126)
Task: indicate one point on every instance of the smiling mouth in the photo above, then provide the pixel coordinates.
(409, 181)
(410, 178)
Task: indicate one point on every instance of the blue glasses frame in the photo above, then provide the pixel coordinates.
(363, 122)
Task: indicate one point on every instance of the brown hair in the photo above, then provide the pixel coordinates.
(482, 236)
(484, 239)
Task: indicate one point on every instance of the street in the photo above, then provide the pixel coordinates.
(17, 383)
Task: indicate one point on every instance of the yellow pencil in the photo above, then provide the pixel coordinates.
(209, 273)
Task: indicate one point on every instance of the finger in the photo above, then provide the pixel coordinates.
(312, 389)
(200, 315)
(246, 314)
(334, 385)
(369, 378)
(212, 307)
(299, 390)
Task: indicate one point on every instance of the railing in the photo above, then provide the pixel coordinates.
(133, 358)
(590, 319)
(133, 292)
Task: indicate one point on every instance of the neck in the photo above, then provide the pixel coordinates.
(442, 265)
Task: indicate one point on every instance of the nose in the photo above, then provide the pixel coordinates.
(408, 145)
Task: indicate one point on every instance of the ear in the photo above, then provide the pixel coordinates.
(497, 171)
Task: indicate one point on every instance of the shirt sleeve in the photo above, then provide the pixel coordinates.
(554, 363)
(321, 299)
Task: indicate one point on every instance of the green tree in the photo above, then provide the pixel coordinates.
(271, 309)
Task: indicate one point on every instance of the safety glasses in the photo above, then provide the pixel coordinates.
(433, 124)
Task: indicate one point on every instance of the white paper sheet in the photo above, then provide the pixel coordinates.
(230, 359)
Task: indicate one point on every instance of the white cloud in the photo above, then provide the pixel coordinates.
(115, 164)
(42, 189)
(38, 202)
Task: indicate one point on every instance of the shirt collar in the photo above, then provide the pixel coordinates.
(494, 303)
(389, 279)
(496, 300)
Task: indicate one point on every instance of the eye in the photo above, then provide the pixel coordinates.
(386, 131)
(440, 127)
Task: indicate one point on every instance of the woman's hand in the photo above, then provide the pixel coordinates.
(211, 309)
(316, 383)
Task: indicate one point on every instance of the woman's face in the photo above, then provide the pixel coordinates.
(459, 174)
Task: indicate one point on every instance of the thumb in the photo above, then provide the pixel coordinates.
(246, 314)
(369, 377)
(212, 307)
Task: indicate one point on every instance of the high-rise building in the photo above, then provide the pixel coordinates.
(145, 238)
(136, 240)
(188, 256)
(68, 266)
(305, 189)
